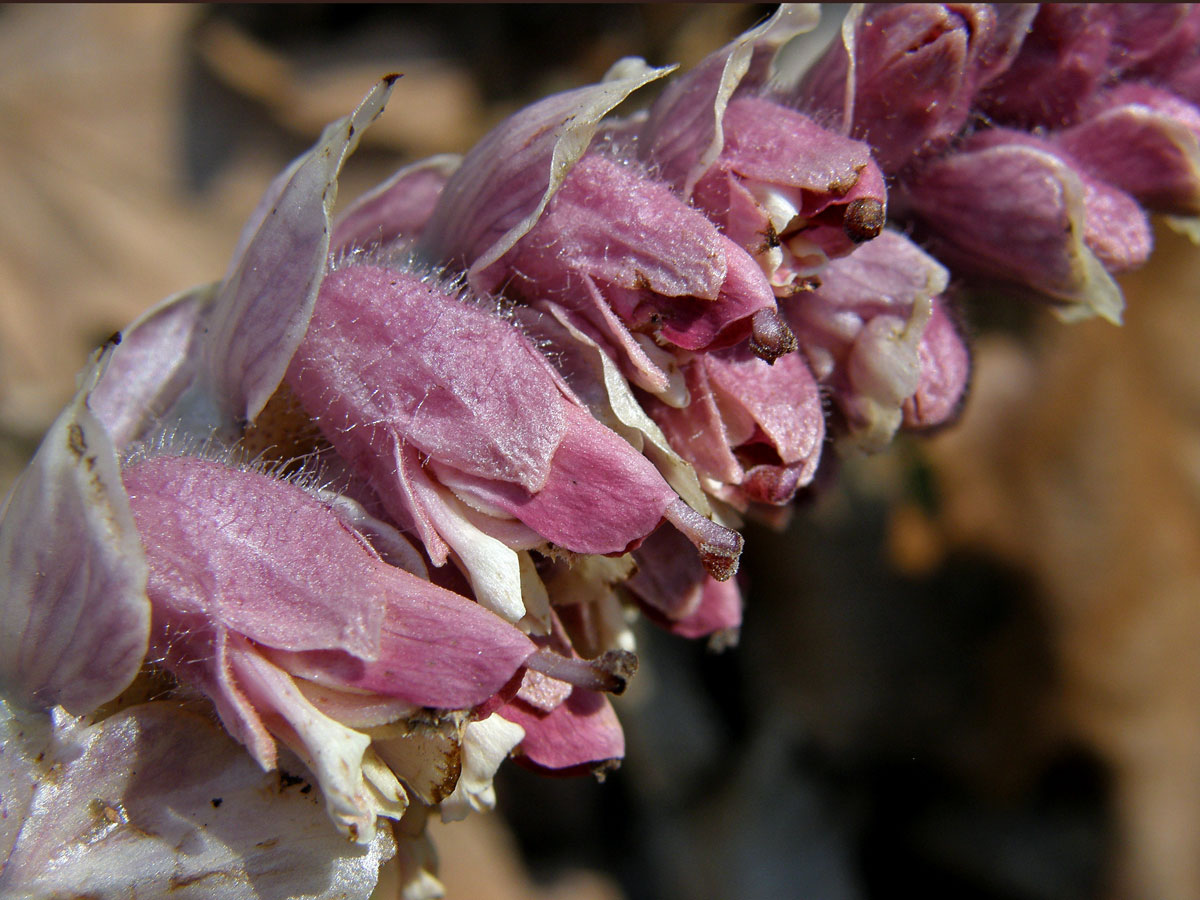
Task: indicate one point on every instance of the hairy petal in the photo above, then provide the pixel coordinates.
(256, 556)
(505, 183)
(244, 553)
(683, 134)
(389, 354)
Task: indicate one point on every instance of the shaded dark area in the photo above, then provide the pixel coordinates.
(871, 737)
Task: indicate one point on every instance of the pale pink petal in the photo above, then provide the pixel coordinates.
(683, 134)
(1146, 142)
(594, 377)
(397, 208)
(265, 303)
(72, 570)
(152, 365)
(718, 615)
(862, 331)
(505, 182)
(1017, 213)
(241, 552)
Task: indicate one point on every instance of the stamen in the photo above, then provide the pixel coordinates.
(770, 336)
(863, 219)
(609, 672)
(719, 547)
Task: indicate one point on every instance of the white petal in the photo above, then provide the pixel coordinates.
(157, 801)
(485, 746)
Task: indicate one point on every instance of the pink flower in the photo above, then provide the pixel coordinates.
(1012, 206)
(1093, 105)
(753, 432)
(535, 213)
(792, 193)
(864, 334)
(904, 76)
(297, 630)
(481, 453)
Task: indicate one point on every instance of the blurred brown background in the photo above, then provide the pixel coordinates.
(970, 669)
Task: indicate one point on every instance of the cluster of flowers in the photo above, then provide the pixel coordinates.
(387, 494)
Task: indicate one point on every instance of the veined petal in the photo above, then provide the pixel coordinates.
(899, 79)
(399, 207)
(1017, 213)
(157, 801)
(267, 298)
(156, 360)
(72, 570)
(611, 222)
(257, 556)
(504, 184)
(683, 134)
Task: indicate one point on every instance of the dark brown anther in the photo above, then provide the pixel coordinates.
(863, 219)
(770, 337)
